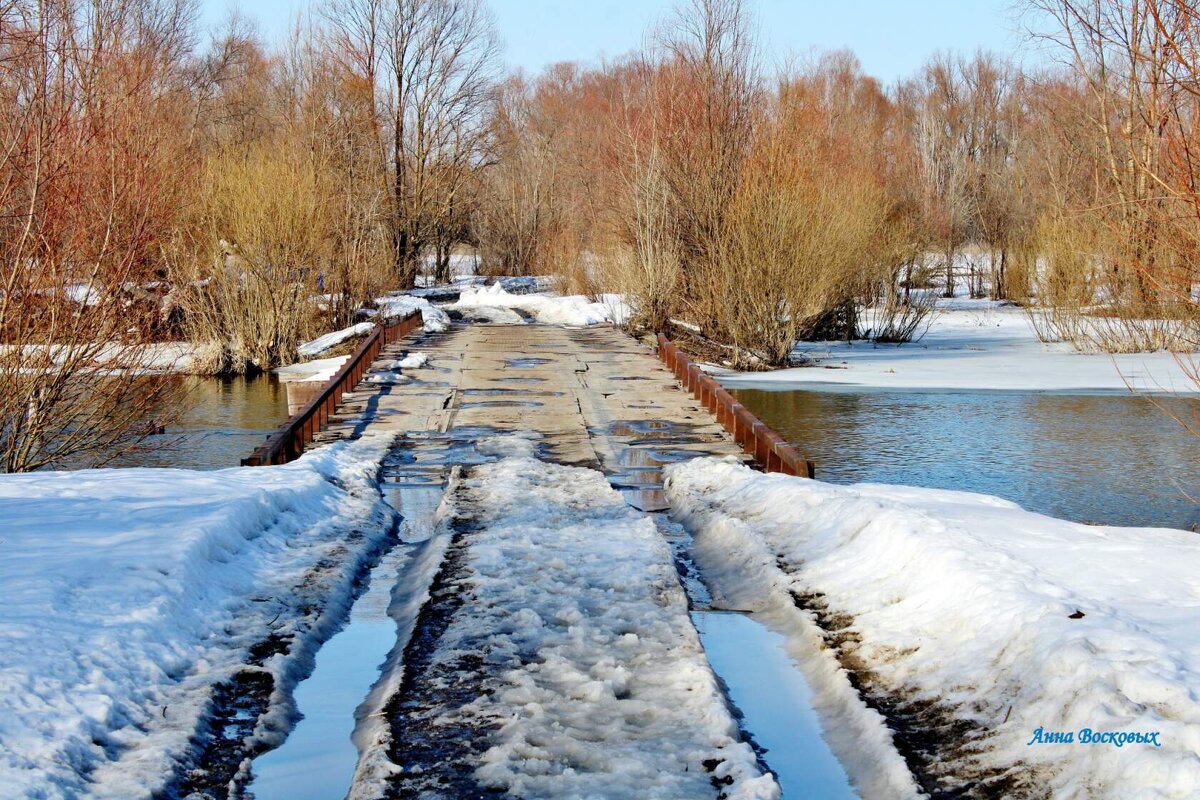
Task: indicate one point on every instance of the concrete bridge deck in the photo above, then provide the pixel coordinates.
(603, 582)
(598, 397)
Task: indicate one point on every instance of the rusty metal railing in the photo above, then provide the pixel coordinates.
(287, 443)
(764, 445)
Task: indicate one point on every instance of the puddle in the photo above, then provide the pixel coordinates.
(640, 427)
(655, 457)
(648, 500)
(644, 447)
(525, 363)
(510, 392)
(655, 431)
(500, 404)
(318, 758)
(776, 703)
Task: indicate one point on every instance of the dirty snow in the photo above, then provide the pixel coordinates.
(619, 701)
(976, 345)
(128, 593)
(394, 306)
(1010, 620)
(551, 309)
(333, 339)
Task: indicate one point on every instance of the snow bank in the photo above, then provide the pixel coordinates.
(128, 593)
(973, 345)
(545, 308)
(400, 305)
(333, 339)
(321, 369)
(153, 357)
(1013, 622)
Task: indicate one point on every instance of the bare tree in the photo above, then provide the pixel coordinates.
(433, 64)
(706, 93)
(1136, 134)
(517, 217)
(86, 183)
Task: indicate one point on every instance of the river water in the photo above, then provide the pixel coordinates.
(1111, 459)
(222, 421)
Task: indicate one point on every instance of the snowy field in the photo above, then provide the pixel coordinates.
(1003, 630)
(127, 594)
(972, 344)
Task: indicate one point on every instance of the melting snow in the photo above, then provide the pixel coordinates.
(127, 594)
(1010, 620)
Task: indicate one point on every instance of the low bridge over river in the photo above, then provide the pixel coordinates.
(544, 645)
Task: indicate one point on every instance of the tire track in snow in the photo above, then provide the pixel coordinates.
(556, 657)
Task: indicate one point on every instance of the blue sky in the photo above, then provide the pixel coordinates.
(891, 37)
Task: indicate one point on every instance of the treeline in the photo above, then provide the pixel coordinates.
(813, 202)
(761, 205)
(158, 183)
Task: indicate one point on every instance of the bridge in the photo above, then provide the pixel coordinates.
(571, 539)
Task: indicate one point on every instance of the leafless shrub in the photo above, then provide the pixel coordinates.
(87, 185)
(262, 238)
(646, 266)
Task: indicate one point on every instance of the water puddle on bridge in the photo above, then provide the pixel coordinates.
(776, 703)
(318, 759)
(643, 448)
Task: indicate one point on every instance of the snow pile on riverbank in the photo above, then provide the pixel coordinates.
(319, 370)
(597, 684)
(127, 594)
(550, 309)
(394, 306)
(972, 344)
(333, 339)
(962, 606)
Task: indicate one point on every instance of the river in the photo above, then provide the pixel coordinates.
(1111, 459)
(222, 421)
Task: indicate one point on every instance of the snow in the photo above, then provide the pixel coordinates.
(319, 370)
(601, 686)
(391, 371)
(547, 308)
(617, 658)
(150, 358)
(462, 265)
(84, 294)
(412, 361)
(971, 603)
(401, 305)
(334, 338)
(169, 356)
(129, 593)
(972, 345)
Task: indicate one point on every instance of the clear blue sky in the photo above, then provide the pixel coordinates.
(891, 37)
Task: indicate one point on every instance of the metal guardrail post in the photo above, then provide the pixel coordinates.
(750, 433)
(287, 443)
